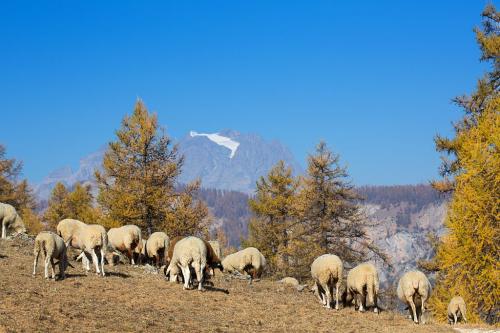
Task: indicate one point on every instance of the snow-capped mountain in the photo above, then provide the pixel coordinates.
(231, 160)
(220, 140)
(225, 160)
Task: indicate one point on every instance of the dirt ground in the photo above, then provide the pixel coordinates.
(130, 300)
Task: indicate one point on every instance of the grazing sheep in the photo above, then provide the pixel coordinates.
(157, 247)
(414, 287)
(363, 285)
(456, 310)
(87, 237)
(326, 270)
(125, 239)
(53, 247)
(10, 220)
(213, 261)
(248, 260)
(190, 251)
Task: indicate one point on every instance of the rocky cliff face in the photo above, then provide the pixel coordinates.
(404, 243)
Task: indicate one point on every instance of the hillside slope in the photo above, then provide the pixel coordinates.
(128, 300)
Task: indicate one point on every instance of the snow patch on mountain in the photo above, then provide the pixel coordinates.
(220, 140)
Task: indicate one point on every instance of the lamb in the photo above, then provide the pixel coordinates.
(414, 287)
(327, 270)
(293, 282)
(248, 260)
(125, 239)
(456, 310)
(190, 251)
(157, 247)
(10, 220)
(363, 285)
(53, 247)
(87, 237)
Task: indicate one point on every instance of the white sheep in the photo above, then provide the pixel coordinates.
(327, 270)
(125, 239)
(456, 310)
(87, 237)
(53, 247)
(363, 286)
(414, 287)
(189, 252)
(157, 247)
(10, 220)
(248, 260)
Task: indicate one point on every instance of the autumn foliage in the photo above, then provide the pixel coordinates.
(468, 256)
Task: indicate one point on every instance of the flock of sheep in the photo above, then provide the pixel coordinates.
(190, 258)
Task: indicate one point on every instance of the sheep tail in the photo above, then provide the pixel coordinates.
(415, 284)
(38, 246)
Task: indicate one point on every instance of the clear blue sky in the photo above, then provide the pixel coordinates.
(372, 78)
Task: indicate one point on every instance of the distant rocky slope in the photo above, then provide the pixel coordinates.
(227, 160)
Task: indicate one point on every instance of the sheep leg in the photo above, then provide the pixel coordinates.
(359, 298)
(85, 261)
(422, 308)
(3, 230)
(455, 319)
(52, 266)
(62, 274)
(103, 254)
(199, 275)
(337, 291)
(95, 260)
(131, 256)
(328, 304)
(46, 266)
(35, 262)
(409, 299)
(186, 272)
(320, 293)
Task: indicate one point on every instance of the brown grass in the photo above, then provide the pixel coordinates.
(129, 300)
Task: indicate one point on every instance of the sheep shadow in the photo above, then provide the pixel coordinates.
(118, 274)
(73, 275)
(3, 256)
(215, 289)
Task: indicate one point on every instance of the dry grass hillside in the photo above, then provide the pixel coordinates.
(129, 299)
